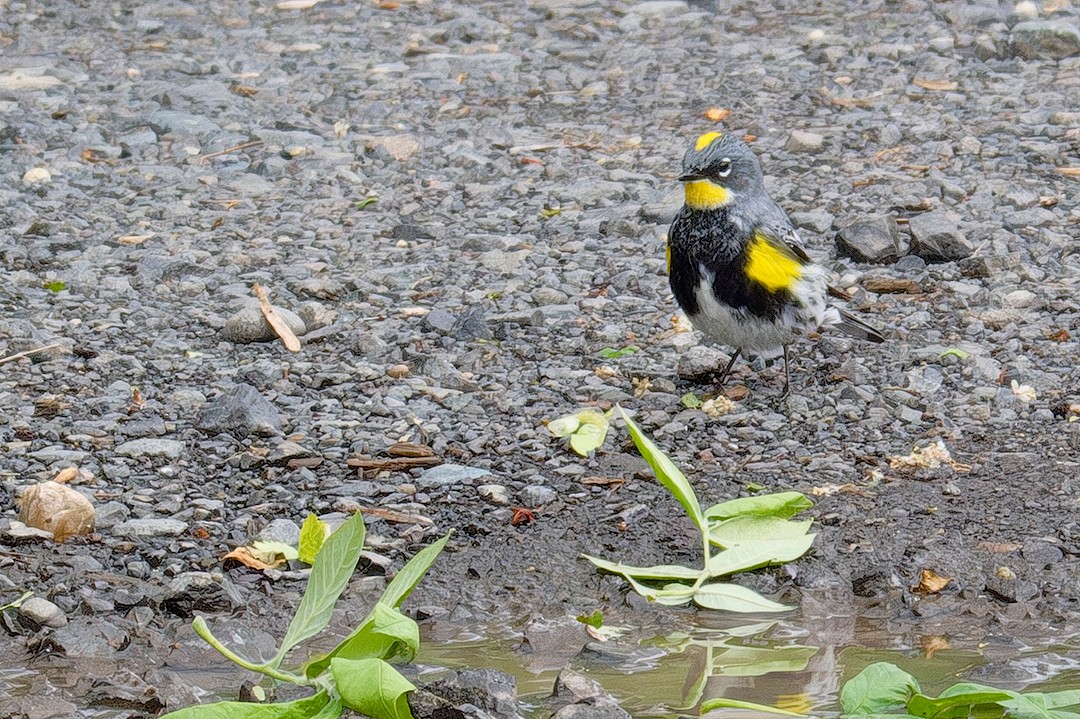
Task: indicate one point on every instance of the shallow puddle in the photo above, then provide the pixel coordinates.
(772, 662)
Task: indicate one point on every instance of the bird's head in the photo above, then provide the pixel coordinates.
(717, 169)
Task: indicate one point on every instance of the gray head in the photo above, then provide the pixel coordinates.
(718, 168)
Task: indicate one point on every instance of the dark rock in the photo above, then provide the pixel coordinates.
(1046, 39)
(84, 637)
(473, 325)
(200, 591)
(936, 238)
(1011, 590)
(1042, 555)
(490, 690)
(872, 239)
(573, 687)
(36, 706)
(873, 582)
(240, 411)
(552, 643)
(440, 321)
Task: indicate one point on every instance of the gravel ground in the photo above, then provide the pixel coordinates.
(465, 204)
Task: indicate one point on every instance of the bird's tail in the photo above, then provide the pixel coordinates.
(849, 324)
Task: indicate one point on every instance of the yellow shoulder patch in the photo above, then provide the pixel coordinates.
(668, 248)
(770, 266)
(707, 139)
(706, 195)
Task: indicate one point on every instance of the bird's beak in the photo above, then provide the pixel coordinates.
(688, 177)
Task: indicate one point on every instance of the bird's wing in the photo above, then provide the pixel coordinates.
(785, 239)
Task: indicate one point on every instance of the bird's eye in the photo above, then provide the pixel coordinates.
(723, 168)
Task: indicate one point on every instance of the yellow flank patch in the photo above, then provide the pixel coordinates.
(668, 248)
(770, 266)
(706, 140)
(706, 195)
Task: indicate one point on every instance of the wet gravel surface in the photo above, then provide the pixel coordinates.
(464, 204)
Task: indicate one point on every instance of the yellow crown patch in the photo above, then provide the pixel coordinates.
(707, 139)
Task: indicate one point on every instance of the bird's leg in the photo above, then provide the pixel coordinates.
(727, 370)
(787, 375)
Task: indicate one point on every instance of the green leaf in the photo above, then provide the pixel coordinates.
(735, 598)
(269, 548)
(658, 572)
(960, 704)
(594, 620)
(549, 212)
(672, 595)
(312, 536)
(366, 202)
(409, 576)
(755, 487)
(752, 661)
(880, 688)
(588, 438)
(665, 470)
(384, 634)
(955, 352)
(612, 353)
(745, 557)
(723, 703)
(564, 426)
(754, 529)
(334, 566)
(781, 504)
(312, 707)
(690, 400)
(372, 687)
(55, 286)
(1066, 698)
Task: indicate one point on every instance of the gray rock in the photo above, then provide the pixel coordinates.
(1042, 555)
(151, 447)
(36, 706)
(936, 238)
(1011, 590)
(701, 361)
(110, 514)
(1046, 39)
(572, 687)
(150, 527)
(200, 591)
(803, 141)
(870, 239)
(240, 411)
(440, 321)
(537, 495)
(449, 474)
(473, 325)
(494, 493)
(1020, 299)
(250, 325)
(280, 530)
(490, 690)
(591, 711)
(42, 612)
(85, 638)
(549, 296)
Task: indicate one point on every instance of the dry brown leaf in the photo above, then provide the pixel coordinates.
(717, 114)
(892, 286)
(828, 490)
(398, 517)
(409, 449)
(931, 456)
(134, 239)
(1005, 573)
(615, 482)
(641, 385)
(244, 90)
(930, 582)
(932, 644)
(58, 509)
(250, 557)
(65, 475)
(936, 84)
(1069, 171)
(288, 338)
(1048, 201)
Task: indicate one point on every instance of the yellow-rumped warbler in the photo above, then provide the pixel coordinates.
(736, 264)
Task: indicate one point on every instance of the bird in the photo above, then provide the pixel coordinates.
(736, 265)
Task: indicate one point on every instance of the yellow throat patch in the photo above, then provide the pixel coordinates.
(706, 140)
(706, 195)
(770, 266)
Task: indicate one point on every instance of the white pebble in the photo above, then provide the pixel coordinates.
(36, 175)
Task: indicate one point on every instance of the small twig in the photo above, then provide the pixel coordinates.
(227, 150)
(20, 355)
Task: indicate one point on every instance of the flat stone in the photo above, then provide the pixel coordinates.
(494, 493)
(280, 530)
(449, 474)
(870, 239)
(1046, 39)
(936, 238)
(1019, 299)
(200, 591)
(537, 495)
(150, 527)
(803, 141)
(151, 447)
(440, 321)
